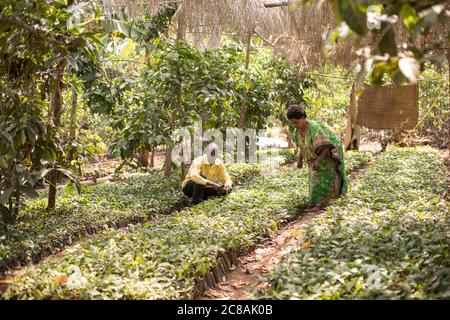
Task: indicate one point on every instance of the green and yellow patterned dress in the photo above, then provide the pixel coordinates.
(330, 181)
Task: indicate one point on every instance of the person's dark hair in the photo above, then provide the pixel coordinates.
(295, 111)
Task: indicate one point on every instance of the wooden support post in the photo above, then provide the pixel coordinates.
(57, 109)
(152, 158)
(243, 110)
(73, 123)
(168, 156)
(247, 53)
(352, 136)
(276, 4)
(448, 89)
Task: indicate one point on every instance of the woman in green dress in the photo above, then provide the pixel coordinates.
(325, 156)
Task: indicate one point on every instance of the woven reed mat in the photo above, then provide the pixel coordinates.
(388, 107)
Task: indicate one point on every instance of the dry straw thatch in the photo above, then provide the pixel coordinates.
(297, 32)
(128, 8)
(294, 30)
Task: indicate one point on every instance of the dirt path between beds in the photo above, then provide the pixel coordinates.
(249, 275)
(252, 268)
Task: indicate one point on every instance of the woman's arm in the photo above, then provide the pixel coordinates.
(320, 157)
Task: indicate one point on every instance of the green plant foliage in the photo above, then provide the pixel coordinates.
(289, 156)
(36, 41)
(38, 231)
(400, 61)
(387, 239)
(328, 98)
(180, 85)
(143, 29)
(289, 88)
(433, 100)
(163, 259)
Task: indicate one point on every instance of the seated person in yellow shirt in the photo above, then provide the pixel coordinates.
(206, 177)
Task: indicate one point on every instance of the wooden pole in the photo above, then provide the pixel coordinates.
(243, 110)
(276, 4)
(152, 158)
(352, 136)
(73, 123)
(448, 106)
(168, 156)
(247, 53)
(57, 104)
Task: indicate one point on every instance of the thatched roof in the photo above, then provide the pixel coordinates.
(298, 32)
(295, 30)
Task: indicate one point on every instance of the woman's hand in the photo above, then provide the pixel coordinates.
(320, 157)
(316, 165)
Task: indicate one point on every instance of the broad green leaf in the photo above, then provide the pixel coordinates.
(5, 195)
(410, 68)
(3, 162)
(4, 210)
(409, 16)
(29, 191)
(353, 14)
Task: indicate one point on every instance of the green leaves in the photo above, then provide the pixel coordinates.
(410, 68)
(5, 195)
(29, 191)
(409, 16)
(385, 240)
(353, 13)
(91, 209)
(123, 27)
(3, 162)
(419, 17)
(36, 39)
(180, 85)
(163, 259)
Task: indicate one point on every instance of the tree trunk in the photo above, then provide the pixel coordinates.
(143, 158)
(1, 100)
(56, 118)
(152, 158)
(168, 162)
(17, 204)
(168, 157)
(10, 217)
(243, 109)
(183, 171)
(73, 124)
(448, 87)
(181, 30)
